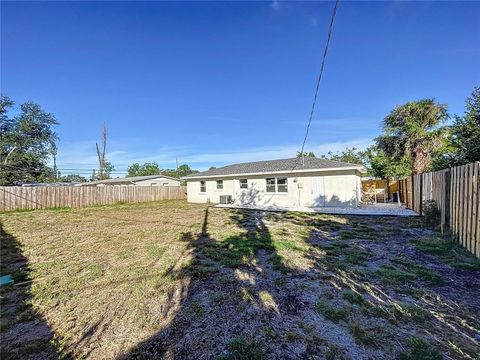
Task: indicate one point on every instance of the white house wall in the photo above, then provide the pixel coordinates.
(341, 188)
(158, 182)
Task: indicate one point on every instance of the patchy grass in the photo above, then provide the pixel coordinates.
(359, 231)
(448, 252)
(420, 349)
(389, 274)
(370, 336)
(422, 272)
(241, 348)
(172, 279)
(292, 336)
(331, 312)
(353, 297)
(154, 251)
(410, 311)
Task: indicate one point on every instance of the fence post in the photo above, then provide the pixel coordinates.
(420, 205)
(447, 184)
(413, 193)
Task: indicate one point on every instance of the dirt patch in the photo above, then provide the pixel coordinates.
(177, 280)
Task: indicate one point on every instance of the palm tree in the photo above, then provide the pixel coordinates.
(413, 130)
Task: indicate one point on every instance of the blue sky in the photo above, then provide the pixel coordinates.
(217, 83)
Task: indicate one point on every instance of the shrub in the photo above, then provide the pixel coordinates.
(431, 214)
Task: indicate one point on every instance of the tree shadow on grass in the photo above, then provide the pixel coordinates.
(224, 295)
(24, 334)
(379, 280)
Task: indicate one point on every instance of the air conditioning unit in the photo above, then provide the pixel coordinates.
(226, 199)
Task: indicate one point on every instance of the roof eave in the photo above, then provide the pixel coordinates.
(360, 168)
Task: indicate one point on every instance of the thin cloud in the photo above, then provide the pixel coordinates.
(274, 152)
(275, 5)
(81, 157)
(341, 125)
(312, 20)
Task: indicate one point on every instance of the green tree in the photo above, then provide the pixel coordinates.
(143, 170)
(107, 170)
(413, 129)
(446, 155)
(349, 155)
(72, 178)
(382, 166)
(108, 167)
(26, 143)
(466, 131)
(183, 170)
(305, 154)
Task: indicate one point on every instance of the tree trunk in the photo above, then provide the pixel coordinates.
(420, 160)
(9, 153)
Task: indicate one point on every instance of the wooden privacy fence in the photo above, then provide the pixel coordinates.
(456, 192)
(43, 197)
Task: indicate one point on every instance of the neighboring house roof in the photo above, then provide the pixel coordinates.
(130, 179)
(49, 184)
(277, 166)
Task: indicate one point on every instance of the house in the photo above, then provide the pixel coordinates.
(286, 183)
(150, 180)
(25, 184)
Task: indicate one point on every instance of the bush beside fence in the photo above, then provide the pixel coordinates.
(44, 197)
(456, 192)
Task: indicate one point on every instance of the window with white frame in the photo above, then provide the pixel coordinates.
(270, 184)
(203, 186)
(282, 185)
(277, 185)
(243, 184)
(219, 184)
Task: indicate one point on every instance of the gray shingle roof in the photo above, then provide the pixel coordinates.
(268, 166)
(129, 180)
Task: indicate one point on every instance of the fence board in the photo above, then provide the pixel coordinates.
(476, 181)
(42, 197)
(456, 192)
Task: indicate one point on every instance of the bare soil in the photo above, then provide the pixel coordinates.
(175, 280)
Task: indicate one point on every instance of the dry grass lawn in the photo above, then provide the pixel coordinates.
(176, 280)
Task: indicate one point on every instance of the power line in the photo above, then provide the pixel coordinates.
(329, 36)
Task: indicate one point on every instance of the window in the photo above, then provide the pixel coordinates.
(243, 184)
(277, 185)
(203, 186)
(219, 184)
(153, 184)
(270, 184)
(282, 185)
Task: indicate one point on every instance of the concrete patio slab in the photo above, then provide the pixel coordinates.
(371, 210)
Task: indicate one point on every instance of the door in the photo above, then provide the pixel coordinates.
(318, 190)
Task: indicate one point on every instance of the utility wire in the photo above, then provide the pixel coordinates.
(325, 52)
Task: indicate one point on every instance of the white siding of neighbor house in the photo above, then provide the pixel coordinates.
(341, 188)
(160, 181)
